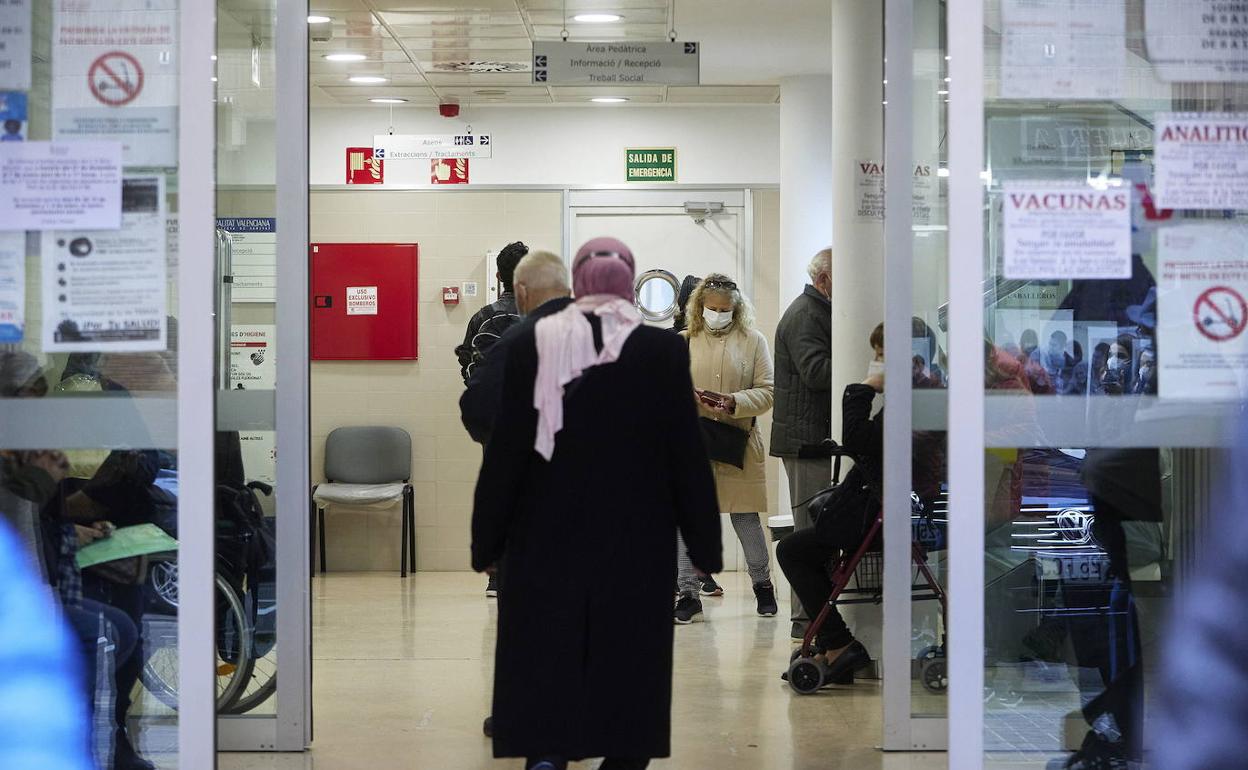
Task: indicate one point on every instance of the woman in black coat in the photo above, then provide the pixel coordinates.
(584, 666)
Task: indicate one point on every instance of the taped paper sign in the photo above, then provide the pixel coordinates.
(15, 29)
(869, 191)
(12, 287)
(1063, 49)
(1201, 160)
(361, 300)
(1197, 41)
(1057, 232)
(60, 185)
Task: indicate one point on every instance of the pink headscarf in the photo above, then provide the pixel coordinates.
(603, 266)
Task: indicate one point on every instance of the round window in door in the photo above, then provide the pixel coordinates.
(656, 293)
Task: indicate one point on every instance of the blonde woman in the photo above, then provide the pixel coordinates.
(732, 379)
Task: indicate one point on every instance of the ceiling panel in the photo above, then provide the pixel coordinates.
(723, 94)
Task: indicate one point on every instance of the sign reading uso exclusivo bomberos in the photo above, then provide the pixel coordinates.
(1057, 232)
(650, 164)
(615, 63)
(1201, 160)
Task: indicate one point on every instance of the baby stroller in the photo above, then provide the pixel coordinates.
(808, 673)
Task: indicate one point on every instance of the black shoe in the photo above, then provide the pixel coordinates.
(124, 755)
(487, 727)
(688, 609)
(708, 587)
(548, 763)
(765, 594)
(853, 659)
(491, 588)
(1096, 753)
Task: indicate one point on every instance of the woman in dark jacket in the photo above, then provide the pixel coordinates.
(595, 480)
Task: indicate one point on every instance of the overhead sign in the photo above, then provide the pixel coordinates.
(363, 167)
(1197, 41)
(1054, 232)
(1202, 312)
(1201, 160)
(650, 164)
(15, 44)
(397, 147)
(254, 253)
(115, 76)
(47, 185)
(1063, 49)
(617, 63)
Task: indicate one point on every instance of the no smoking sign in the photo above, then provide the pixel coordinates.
(115, 78)
(1221, 313)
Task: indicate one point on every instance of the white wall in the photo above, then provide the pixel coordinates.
(574, 146)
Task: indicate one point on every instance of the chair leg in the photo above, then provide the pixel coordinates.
(411, 526)
(312, 538)
(320, 515)
(403, 542)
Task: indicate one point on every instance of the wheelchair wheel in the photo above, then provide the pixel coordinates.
(934, 675)
(262, 681)
(805, 676)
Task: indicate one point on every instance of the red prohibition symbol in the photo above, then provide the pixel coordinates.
(1221, 313)
(115, 78)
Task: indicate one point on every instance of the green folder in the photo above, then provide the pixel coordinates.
(126, 542)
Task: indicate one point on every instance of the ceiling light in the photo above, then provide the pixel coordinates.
(316, 19)
(597, 18)
(345, 57)
(608, 99)
(367, 79)
(387, 100)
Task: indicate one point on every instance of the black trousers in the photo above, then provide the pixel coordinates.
(804, 557)
(130, 600)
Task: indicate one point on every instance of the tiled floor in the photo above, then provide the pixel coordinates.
(402, 672)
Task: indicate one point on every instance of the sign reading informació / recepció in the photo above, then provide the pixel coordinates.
(650, 164)
(400, 147)
(616, 63)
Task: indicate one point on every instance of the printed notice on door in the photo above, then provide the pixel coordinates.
(253, 367)
(869, 190)
(1063, 49)
(361, 300)
(106, 289)
(1201, 160)
(1062, 233)
(12, 287)
(1202, 311)
(15, 50)
(46, 185)
(1197, 41)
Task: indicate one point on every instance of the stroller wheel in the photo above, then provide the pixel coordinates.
(934, 675)
(805, 676)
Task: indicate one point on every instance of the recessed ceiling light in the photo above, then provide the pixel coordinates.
(317, 19)
(367, 79)
(387, 100)
(597, 18)
(608, 99)
(345, 57)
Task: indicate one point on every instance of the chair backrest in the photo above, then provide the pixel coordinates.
(368, 455)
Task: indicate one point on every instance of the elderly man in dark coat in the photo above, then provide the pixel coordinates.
(595, 462)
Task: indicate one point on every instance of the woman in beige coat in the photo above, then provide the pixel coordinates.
(732, 379)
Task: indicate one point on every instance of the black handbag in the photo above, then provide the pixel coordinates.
(724, 443)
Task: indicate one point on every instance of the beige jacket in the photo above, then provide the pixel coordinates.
(737, 364)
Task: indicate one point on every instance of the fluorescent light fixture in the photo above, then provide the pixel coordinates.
(367, 79)
(608, 99)
(345, 57)
(387, 100)
(318, 19)
(597, 18)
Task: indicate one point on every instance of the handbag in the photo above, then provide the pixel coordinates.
(724, 443)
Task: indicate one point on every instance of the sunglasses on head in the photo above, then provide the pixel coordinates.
(718, 284)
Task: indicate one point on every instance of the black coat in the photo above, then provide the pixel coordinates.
(587, 546)
(803, 410)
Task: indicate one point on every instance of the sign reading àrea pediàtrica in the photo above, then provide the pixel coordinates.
(650, 164)
(616, 63)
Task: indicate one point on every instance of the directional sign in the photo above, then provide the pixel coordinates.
(400, 147)
(617, 63)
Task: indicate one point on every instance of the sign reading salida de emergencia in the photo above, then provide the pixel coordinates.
(1057, 232)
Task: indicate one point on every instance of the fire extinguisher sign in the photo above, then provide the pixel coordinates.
(361, 300)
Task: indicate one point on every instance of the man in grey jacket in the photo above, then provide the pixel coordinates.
(803, 412)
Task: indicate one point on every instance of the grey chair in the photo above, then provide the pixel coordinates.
(372, 467)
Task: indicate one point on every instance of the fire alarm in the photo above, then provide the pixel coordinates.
(448, 110)
(450, 295)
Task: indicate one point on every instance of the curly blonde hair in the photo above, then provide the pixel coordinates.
(742, 310)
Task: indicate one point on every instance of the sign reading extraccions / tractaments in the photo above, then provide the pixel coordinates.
(12, 287)
(361, 300)
(106, 289)
(1055, 232)
(254, 264)
(398, 147)
(616, 63)
(15, 27)
(1201, 160)
(650, 164)
(1063, 49)
(253, 367)
(1202, 311)
(1197, 41)
(115, 76)
(47, 185)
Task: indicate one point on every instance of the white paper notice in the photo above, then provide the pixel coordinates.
(869, 190)
(1063, 49)
(926, 193)
(253, 367)
(1202, 310)
(106, 290)
(361, 300)
(1201, 160)
(1197, 41)
(15, 45)
(46, 185)
(1060, 233)
(115, 76)
(12, 287)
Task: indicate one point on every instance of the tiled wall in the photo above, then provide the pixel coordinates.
(454, 230)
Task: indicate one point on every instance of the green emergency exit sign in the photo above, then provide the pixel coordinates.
(650, 164)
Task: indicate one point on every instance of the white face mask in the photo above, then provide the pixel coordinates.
(875, 367)
(716, 320)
